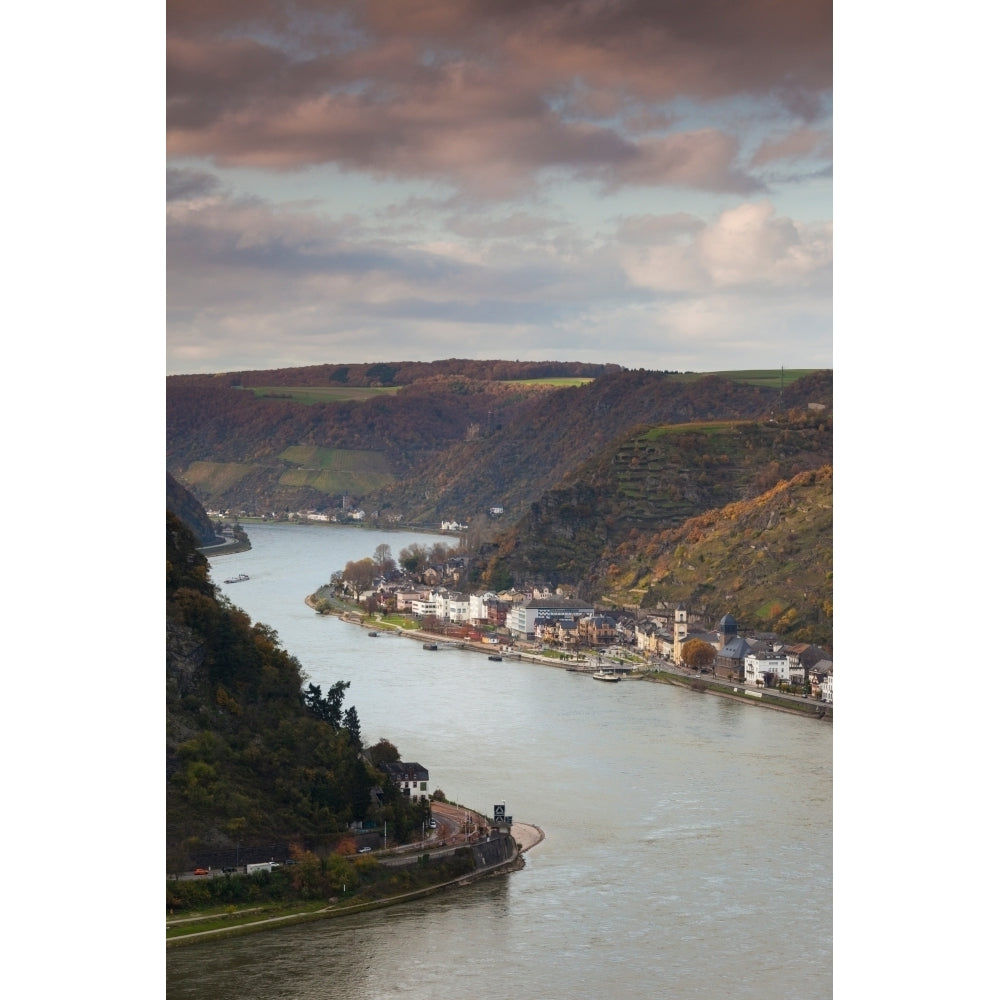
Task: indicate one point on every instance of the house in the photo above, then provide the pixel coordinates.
(497, 609)
(405, 599)
(766, 669)
(597, 630)
(479, 606)
(413, 779)
(826, 688)
(646, 633)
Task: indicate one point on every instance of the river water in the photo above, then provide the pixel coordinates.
(688, 838)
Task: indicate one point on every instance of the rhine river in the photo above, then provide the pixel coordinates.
(688, 838)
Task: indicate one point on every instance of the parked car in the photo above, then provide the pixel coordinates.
(365, 850)
(202, 871)
(433, 824)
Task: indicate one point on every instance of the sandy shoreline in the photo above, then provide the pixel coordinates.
(527, 835)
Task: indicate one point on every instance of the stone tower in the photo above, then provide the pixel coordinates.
(680, 630)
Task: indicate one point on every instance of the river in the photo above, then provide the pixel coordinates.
(688, 838)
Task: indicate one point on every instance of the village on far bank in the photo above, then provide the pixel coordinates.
(536, 618)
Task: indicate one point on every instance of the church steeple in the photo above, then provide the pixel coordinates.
(680, 630)
(727, 630)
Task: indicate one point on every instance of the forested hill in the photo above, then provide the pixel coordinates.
(551, 435)
(189, 510)
(767, 560)
(387, 374)
(593, 534)
(252, 759)
(447, 446)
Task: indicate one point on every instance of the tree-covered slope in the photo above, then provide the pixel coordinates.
(451, 443)
(251, 759)
(767, 560)
(186, 506)
(654, 478)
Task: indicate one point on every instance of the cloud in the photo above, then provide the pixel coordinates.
(485, 96)
(186, 185)
(747, 248)
(799, 144)
(249, 280)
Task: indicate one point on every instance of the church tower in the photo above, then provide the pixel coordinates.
(727, 630)
(680, 630)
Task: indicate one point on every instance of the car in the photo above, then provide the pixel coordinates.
(202, 871)
(433, 824)
(365, 850)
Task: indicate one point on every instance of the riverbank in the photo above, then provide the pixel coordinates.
(666, 674)
(239, 922)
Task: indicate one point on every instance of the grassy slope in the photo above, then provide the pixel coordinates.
(768, 561)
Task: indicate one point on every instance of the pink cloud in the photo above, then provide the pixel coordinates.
(480, 94)
(799, 144)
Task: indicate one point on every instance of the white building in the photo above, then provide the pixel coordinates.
(765, 666)
(479, 606)
(826, 688)
(457, 607)
(522, 618)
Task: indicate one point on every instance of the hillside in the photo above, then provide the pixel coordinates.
(446, 446)
(252, 759)
(578, 470)
(768, 561)
(185, 505)
(654, 478)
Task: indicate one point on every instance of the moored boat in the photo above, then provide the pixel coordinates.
(373, 635)
(238, 579)
(496, 659)
(430, 645)
(606, 675)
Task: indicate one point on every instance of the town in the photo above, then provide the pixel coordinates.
(538, 620)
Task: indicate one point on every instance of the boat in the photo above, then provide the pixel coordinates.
(238, 579)
(606, 675)
(497, 659)
(430, 645)
(373, 635)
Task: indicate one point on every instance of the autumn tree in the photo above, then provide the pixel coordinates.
(413, 557)
(359, 575)
(697, 654)
(383, 559)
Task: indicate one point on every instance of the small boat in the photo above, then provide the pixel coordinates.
(606, 675)
(238, 579)
(430, 645)
(497, 659)
(374, 635)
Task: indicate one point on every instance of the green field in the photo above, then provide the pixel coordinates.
(555, 383)
(213, 478)
(335, 470)
(772, 378)
(335, 459)
(322, 393)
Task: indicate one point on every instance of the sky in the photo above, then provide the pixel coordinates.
(639, 182)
